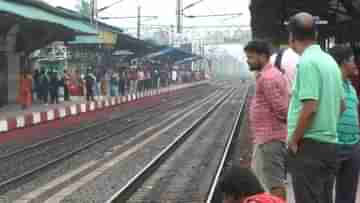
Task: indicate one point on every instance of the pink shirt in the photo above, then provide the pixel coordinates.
(269, 106)
(141, 75)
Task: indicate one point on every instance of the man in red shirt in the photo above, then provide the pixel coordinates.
(239, 185)
(268, 113)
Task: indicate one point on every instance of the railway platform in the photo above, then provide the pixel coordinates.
(168, 148)
(45, 159)
(12, 117)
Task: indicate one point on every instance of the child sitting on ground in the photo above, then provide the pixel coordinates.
(240, 185)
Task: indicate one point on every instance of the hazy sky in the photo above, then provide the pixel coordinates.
(165, 10)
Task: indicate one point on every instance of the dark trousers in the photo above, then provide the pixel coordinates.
(44, 95)
(66, 93)
(37, 92)
(54, 95)
(121, 87)
(140, 85)
(313, 169)
(146, 84)
(348, 174)
(89, 94)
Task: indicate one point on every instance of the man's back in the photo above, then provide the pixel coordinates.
(318, 78)
(288, 63)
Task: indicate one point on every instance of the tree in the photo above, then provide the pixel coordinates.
(84, 7)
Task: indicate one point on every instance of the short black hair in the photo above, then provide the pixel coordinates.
(240, 182)
(301, 30)
(341, 53)
(259, 47)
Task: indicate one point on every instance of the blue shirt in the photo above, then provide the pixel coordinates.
(348, 125)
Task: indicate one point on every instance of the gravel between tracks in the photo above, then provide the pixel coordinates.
(105, 185)
(97, 152)
(186, 176)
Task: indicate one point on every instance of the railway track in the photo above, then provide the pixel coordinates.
(138, 149)
(158, 181)
(35, 158)
(213, 195)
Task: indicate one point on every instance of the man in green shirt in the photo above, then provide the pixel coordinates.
(313, 115)
(348, 130)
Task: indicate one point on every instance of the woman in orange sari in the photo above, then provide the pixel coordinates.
(25, 93)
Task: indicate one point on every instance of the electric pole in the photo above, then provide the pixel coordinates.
(172, 36)
(92, 11)
(139, 22)
(179, 19)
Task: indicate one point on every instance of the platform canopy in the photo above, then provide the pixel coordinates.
(188, 60)
(38, 11)
(338, 17)
(106, 34)
(170, 55)
(140, 48)
(39, 24)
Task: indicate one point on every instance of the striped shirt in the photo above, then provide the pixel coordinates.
(348, 125)
(269, 106)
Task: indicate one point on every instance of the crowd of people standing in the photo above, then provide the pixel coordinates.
(304, 119)
(130, 81)
(45, 86)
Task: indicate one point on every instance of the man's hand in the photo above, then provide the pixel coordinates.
(293, 146)
(304, 122)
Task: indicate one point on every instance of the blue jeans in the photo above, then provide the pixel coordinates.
(108, 89)
(114, 90)
(348, 173)
(97, 89)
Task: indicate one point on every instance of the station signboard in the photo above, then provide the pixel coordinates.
(108, 37)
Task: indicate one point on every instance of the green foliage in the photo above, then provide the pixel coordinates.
(84, 7)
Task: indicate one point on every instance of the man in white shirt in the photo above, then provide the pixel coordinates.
(174, 76)
(289, 60)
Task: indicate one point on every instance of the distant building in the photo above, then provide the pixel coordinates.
(161, 37)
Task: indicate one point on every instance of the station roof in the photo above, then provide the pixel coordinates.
(84, 39)
(170, 54)
(37, 24)
(40, 11)
(188, 60)
(139, 47)
(268, 18)
(101, 26)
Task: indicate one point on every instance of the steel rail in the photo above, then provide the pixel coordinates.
(99, 139)
(211, 193)
(126, 191)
